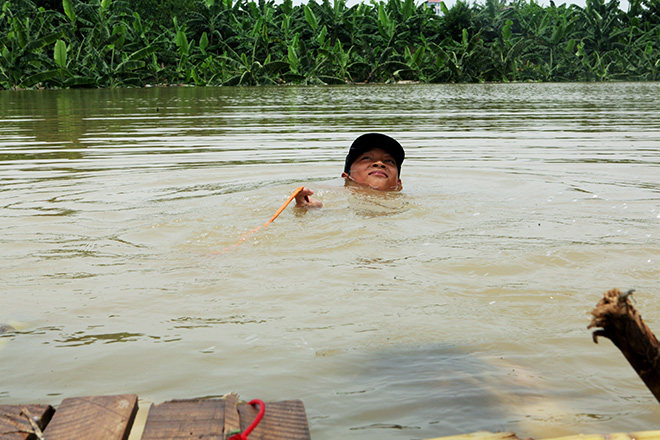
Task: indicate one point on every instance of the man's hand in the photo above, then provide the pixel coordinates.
(303, 200)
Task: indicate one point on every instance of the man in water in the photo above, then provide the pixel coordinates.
(373, 161)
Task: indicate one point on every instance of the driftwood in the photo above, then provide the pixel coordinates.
(618, 321)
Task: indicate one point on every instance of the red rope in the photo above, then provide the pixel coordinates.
(262, 410)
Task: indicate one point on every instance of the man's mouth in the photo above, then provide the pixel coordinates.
(378, 173)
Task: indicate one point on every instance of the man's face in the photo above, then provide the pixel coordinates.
(376, 169)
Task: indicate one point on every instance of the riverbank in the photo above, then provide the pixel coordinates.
(225, 43)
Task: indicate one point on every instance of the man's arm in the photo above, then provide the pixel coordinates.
(304, 201)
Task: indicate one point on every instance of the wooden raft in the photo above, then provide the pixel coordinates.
(112, 418)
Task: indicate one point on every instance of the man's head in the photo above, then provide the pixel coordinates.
(375, 160)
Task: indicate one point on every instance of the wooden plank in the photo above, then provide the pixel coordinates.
(185, 419)
(284, 420)
(93, 418)
(14, 423)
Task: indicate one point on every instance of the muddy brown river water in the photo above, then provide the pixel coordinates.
(458, 304)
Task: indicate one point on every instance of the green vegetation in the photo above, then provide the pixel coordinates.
(120, 43)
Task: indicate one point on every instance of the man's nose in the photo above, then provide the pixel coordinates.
(378, 163)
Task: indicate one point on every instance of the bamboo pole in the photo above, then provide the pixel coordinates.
(620, 322)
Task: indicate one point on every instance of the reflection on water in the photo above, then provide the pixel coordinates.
(415, 389)
(457, 304)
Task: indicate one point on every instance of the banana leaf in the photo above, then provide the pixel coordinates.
(293, 77)
(275, 67)
(233, 81)
(405, 74)
(79, 81)
(144, 52)
(203, 42)
(407, 9)
(130, 65)
(68, 10)
(333, 80)
(112, 39)
(41, 77)
(311, 18)
(395, 65)
(60, 54)
(43, 41)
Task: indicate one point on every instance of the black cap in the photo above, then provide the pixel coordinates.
(374, 140)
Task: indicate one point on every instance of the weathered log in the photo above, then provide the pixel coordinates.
(620, 322)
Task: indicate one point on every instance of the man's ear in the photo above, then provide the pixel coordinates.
(344, 175)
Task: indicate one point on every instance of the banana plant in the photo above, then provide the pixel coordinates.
(602, 25)
(108, 43)
(507, 55)
(250, 71)
(462, 62)
(216, 18)
(414, 65)
(24, 48)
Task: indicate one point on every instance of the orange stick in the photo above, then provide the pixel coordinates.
(284, 205)
(277, 213)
